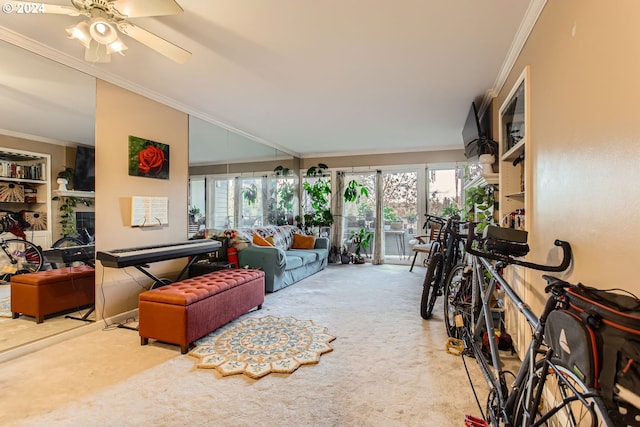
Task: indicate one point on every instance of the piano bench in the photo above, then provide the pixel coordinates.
(51, 291)
(182, 312)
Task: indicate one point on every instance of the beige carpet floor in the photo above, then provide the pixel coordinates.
(25, 330)
(388, 368)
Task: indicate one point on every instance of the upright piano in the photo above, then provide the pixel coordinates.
(139, 257)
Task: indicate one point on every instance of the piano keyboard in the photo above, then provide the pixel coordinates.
(120, 258)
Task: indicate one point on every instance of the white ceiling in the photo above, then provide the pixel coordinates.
(310, 77)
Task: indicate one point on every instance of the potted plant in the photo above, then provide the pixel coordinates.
(480, 202)
(345, 256)
(389, 216)
(411, 219)
(487, 154)
(194, 214)
(362, 239)
(65, 177)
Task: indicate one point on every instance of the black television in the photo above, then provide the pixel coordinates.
(476, 134)
(84, 175)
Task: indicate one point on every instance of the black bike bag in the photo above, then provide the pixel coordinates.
(614, 319)
(574, 343)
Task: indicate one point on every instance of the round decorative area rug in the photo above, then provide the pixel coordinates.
(259, 346)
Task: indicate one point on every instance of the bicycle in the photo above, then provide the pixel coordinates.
(81, 238)
(444, 255)
(544, 390)
(18, 255)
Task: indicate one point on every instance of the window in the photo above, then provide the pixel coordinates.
(444, 189)
(281, 200)
(252, 202)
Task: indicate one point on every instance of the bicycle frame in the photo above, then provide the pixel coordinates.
(494, 374)
(504, 400)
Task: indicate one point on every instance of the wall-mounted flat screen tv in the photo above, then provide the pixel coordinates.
(477, 129)
(84, 177)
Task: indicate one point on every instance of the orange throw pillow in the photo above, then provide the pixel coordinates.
(300, 241)
(260, 241)
(270, 240)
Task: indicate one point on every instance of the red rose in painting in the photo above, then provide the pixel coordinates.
(150, 160)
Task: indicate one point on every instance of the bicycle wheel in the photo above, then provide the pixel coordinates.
(18, 257)
(430, 285)
(563, 400)
(65, 242)
(456, 300)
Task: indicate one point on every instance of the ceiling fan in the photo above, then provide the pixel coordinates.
(98, 34)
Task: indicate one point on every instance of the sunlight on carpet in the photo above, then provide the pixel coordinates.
(259, 346)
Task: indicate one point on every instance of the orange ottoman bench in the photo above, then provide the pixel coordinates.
(182, 312)
(51, 291)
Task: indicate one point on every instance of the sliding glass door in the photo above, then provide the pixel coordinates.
(400, 207)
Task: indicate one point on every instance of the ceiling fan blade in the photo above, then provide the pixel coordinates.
(140, 8)
(36, 8)
(156, 43)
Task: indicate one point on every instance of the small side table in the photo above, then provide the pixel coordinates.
(200, 268)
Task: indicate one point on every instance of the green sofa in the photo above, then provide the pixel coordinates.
(282, 265)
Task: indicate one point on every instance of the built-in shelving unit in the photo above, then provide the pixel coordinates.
(515, 194)
(513, 136)
(25, 186)
(74, 193)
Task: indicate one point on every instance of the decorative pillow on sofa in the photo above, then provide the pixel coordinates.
(271, 240)
(261, 241)
(300, 241)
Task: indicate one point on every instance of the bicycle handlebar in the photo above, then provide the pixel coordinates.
(508, 259)
(433, 218)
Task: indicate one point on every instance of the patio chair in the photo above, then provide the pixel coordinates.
(425, 244)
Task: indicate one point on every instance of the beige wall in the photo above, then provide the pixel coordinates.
(583, 147)
(120, 113)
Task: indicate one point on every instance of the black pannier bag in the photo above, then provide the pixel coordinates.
(574, 343)
(610, 321)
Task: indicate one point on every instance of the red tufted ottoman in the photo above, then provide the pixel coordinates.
(51, 291)
(184, 311)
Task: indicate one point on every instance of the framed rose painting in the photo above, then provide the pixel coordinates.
(148, 158)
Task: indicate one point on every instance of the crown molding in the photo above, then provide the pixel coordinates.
(526, 26)
(38, 138)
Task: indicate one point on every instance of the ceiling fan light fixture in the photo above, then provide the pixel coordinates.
(97, 52)
(80, 32)
(116, 47)
(102, 31)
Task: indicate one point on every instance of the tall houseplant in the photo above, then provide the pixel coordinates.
(319, 194)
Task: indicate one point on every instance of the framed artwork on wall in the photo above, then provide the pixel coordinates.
(148, 158)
